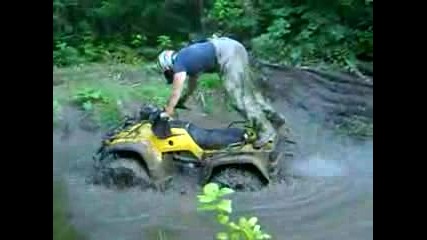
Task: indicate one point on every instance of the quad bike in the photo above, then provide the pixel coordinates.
(151, 148)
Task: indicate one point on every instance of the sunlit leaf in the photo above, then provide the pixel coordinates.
(211, 189)
(266, 236)
(234, 226)
(235, 236)
(222, 236)
(207, 207)
(87, 106)
(206, 198)
(223, 219)
(225, 191)
(252, 221)
(242, 221)
(225, 205)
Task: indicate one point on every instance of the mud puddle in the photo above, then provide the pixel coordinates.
(329, 197)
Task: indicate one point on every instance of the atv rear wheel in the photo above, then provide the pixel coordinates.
(279, 158)
(242, 178)
(122, 172)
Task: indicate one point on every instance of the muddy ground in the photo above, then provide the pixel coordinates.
(330, 195)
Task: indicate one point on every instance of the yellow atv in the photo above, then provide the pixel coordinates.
(150, 149)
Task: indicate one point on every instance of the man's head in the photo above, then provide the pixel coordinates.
(165, 63)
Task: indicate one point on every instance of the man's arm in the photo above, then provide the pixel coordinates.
(177, 86)
(192, 85)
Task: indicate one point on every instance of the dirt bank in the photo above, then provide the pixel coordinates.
(333, 98)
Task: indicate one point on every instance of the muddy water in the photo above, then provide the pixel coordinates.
(329, 197)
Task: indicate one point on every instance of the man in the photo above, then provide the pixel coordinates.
(230, 58)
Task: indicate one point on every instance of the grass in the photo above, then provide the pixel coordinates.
(103, 90)
(62, 229)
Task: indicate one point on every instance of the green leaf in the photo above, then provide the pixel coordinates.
(242, 221)
(87, 106)
(252, 221)
(266, 236)
(206, 198)
(224, 191)
(235, 236)
(211, 189)
(95, 94)
(257, 229)
(223, 219)
(207, 207)
(225, 205)
(234, 226)
(222, 236)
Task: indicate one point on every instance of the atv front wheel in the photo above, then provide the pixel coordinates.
(242, 178)
(122, 172)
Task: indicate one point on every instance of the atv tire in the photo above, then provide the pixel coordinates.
(283, 154)
(240, 178)
(122, 173)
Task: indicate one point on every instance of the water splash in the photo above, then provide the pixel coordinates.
(319, 166)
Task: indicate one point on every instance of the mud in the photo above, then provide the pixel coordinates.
(326, 97)
(330, 195)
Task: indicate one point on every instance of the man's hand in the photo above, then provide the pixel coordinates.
(178, 85)
(169, 111)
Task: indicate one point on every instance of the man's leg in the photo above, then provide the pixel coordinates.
(245, 103)
(276, 118)
(234, 62)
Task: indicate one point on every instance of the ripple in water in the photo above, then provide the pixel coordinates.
(318, 166)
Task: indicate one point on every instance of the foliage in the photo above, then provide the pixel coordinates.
(164, 42)
(210, 81)
(293, 32)
(233, 16)
(105, 107)
(87, 97)
(312, 32)
(104, 91)
(212, 199)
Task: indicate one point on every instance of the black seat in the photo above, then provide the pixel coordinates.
(211, 139)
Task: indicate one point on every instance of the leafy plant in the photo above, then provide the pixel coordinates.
(212, 199)
(87, 97)
(65, 55)
(107, 115)
(164, 42)
(233, 16)
(138, 40)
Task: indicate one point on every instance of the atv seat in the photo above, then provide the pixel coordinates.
(212, 139)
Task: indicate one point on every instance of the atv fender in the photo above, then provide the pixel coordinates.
(157, 168)
(261, 164)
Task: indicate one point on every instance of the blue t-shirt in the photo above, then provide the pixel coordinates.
(195, 59)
